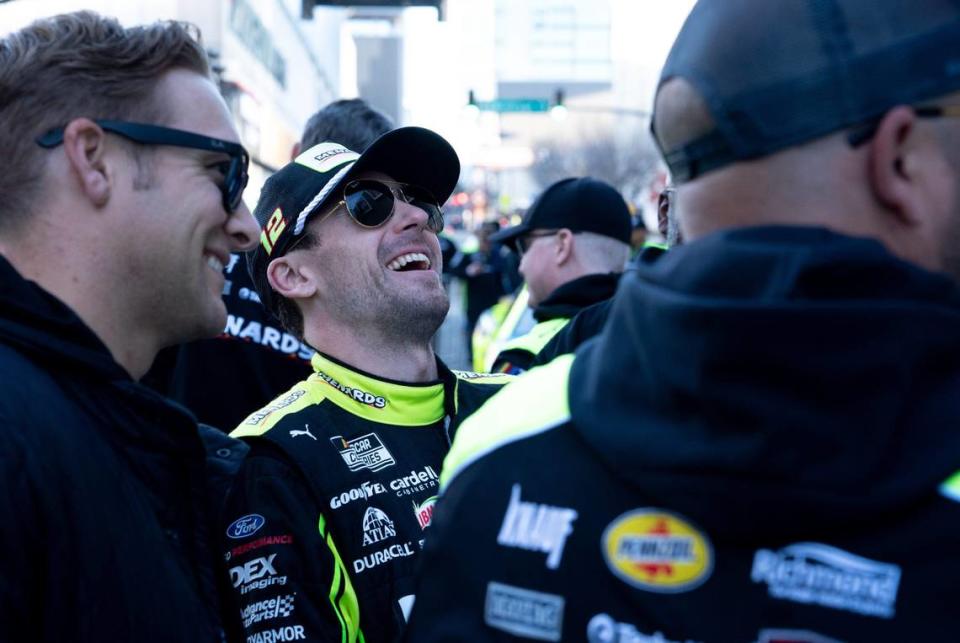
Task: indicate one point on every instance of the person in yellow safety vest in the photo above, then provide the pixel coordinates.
(573, 244)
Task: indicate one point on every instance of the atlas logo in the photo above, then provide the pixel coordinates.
(253, 570)
(536, 527)
(245, 526)
(424, 511)
(657, 551)
(364, 452)
(377, 526)
(819, 574)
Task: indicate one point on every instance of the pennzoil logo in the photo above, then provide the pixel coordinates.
(271, 231)
(657, 551)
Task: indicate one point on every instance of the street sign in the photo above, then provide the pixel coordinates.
(513, 105)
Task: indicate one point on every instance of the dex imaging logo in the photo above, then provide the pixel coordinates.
(364, 452)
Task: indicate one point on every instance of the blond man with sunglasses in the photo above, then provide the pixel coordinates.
(324, 526)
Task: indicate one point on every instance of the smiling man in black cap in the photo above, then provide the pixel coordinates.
(324, 526)
(573, 243)
(761, 444)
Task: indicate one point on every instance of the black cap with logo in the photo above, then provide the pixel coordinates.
(311, 182)
(578, 204)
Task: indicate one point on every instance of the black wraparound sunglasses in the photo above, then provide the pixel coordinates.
(235, 174)
(371, 202)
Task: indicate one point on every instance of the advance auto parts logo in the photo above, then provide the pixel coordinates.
(657, 551)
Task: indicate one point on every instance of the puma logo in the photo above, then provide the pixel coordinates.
(306, 431)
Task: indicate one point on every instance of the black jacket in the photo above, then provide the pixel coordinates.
(589, 321)
(761, 445)
(224, 379)
(553, 315)
(103, 490)
(324, 526)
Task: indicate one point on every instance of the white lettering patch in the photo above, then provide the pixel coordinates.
(823, 575)
(603, 629)
(416, 482)
(523, 612)
(377, 526)
(536, 527)
(253, 570)
(268, 609)
(288, 633)
(365, 491)
(385, 555)
(364, 452)
(326, 156)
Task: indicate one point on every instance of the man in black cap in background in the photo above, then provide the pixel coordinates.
(221, 380)
(573, 243)
(324, 526)
(761, 444)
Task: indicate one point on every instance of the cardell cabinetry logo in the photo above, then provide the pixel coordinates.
(657, 551)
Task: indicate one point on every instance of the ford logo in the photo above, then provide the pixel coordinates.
(245, 526)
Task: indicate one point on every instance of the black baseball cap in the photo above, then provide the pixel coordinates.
(777, 73)
(579, 204)
(315, 179)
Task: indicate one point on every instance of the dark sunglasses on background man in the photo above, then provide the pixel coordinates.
(235, 174)
(371, 202)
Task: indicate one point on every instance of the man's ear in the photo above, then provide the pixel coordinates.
(894, 163)
(563, 248)
(295, 151)
(287, 276)
(84, 144)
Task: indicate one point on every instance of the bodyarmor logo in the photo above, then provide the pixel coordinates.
(536, 527)
(377, 526)
(364, 452)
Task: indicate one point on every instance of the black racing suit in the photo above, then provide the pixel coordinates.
(324, 526)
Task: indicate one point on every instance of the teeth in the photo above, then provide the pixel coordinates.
(214, 263)
(403, 260)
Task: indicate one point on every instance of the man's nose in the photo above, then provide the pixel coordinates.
(242, 228)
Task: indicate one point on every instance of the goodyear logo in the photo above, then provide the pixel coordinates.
(657, 551)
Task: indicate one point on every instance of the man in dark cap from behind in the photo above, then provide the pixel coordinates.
(761, 444)
(573, 244)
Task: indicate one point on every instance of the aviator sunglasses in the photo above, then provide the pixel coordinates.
(235, 172)
(371, 202)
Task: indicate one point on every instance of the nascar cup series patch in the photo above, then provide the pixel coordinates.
(657, 551)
